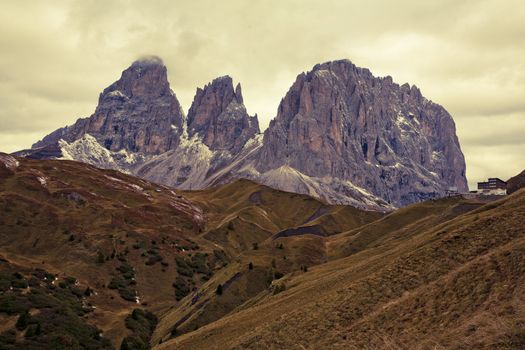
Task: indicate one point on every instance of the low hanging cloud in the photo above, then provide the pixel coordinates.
(467, 56)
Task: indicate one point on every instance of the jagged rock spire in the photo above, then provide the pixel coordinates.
(146, 77)
(137, 113)
(219, 117)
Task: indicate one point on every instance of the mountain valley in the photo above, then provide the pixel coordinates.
(132, 263)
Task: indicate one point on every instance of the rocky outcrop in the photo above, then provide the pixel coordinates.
(340, 134)
(139, 127)
(218, 116)
(341, 123)
(220, 136)
(137, 113)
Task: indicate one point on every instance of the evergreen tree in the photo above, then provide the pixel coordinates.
(23, 321)
(100, 257)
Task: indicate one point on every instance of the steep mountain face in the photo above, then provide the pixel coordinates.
(137, 113)
(340, 134)
(139, 127)
(218, 135)
(341, 122)
(219, 118)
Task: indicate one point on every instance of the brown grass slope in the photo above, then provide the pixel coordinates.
(302, 248)
(458, 284)
(254, 212)
(73, 219)
(76, 220)
(240, 215)
(402, 224)
(516, 182)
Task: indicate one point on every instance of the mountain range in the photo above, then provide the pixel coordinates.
(340, 134)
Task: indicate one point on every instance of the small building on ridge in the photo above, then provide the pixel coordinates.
(493, 186)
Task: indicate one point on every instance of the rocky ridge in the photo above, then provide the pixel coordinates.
(341, 122)
(218, 116)
(137, 113)
(340, 134)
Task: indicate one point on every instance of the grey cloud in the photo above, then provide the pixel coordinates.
(493, 131)
(503, 162)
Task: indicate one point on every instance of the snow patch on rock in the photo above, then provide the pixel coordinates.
(116, 93)
(332, 190)
(254, 142)
(88, 150)
(195, 146)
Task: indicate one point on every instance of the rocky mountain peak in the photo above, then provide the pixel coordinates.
(146, 78)
(238, 93)
(217, 95)
(219, 117)
(341, 122)
(340, 134)
(137, 113)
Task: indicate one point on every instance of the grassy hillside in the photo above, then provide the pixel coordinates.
(246, 219)
(138, 244)
(115, 233)
(254, 212)
(453, 280)
(516, 182)
(94, 259)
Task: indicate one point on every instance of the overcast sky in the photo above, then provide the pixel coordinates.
(469, 56)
